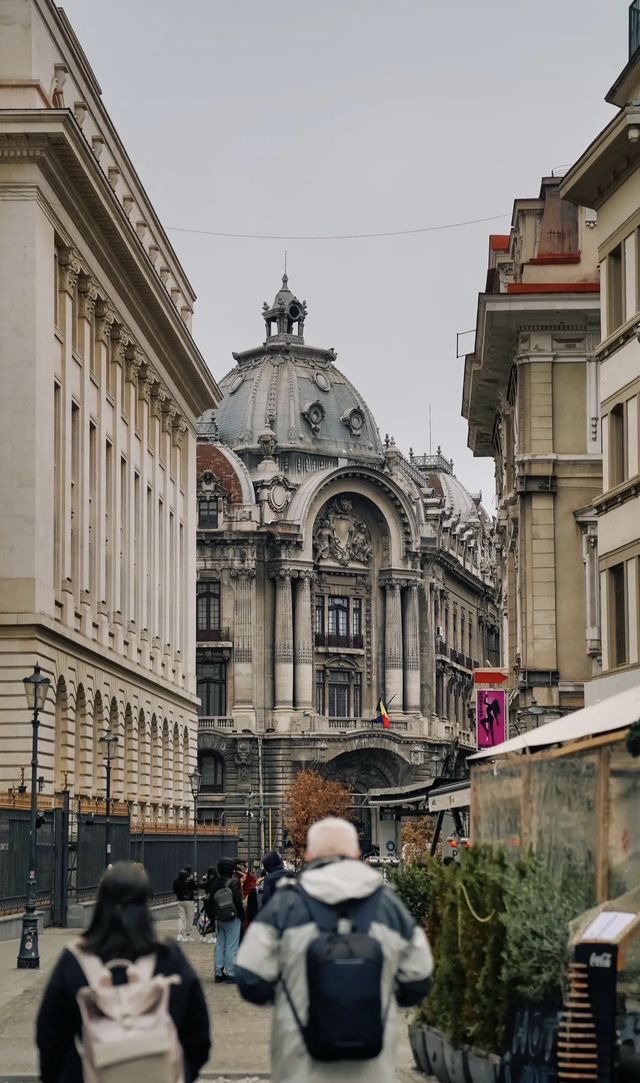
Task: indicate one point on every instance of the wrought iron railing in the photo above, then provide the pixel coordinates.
(329, 639)
(213, 635)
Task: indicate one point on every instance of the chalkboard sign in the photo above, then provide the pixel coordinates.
(531, 1044)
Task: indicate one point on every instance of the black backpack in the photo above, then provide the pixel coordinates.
(344, 978)
(220, 905)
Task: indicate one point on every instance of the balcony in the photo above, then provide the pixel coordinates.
(338, 642)
(213, 635)
(215, 722)
(441, 648)
(361, 724)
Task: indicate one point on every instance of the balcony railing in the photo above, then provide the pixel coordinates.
(328, 639)
(441, 648)
(213, 635)
(214, 722)
(363, 723)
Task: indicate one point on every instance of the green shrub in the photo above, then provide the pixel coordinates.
(414, 885)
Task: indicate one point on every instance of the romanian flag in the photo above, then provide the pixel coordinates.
(382, 718)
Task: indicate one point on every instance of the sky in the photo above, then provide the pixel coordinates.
(329, 117)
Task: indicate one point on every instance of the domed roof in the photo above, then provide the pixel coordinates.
(294, 392)
(459, 503)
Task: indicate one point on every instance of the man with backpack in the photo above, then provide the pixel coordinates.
(335, 950)
(184, 889)
(223, 905)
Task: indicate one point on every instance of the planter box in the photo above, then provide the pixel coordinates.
(417, 1040)
(482, 1067)
(435, 1043)
(456, 1063)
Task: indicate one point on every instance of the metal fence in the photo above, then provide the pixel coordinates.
(14, 858)
(90, 842)
(164, 855)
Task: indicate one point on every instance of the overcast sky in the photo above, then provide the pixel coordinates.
(319, 117)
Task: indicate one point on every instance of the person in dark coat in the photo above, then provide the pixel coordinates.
(121, 928)
(228, 938)
(273, 871)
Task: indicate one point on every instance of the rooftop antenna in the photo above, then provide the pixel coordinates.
(429, 428)
(285, 263)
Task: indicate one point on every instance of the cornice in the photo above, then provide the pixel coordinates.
(54, 140)
(614, 498)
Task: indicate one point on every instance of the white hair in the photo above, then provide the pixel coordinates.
(332, 837)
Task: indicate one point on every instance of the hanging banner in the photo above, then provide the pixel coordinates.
(491, 723)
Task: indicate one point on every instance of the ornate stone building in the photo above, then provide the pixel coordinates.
(102, 385)
(331, 570)
(530, 397)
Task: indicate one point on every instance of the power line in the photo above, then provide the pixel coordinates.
(334, 236)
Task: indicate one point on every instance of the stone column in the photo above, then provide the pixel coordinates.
(283, 641)
(303, 643)
(411, 649)
(392, 645)
(243, 637)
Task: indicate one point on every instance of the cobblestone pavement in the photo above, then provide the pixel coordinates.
(240, 1030)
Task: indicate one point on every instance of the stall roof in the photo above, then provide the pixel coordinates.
(451, 795)
(608, 715)
(401, 795)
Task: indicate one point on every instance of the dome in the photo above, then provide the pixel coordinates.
(459, 503)
(292, 395)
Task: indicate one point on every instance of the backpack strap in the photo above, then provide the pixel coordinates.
(359, 911)
(93, 967)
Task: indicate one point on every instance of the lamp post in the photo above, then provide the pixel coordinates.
(36, 687)
(195, 781)
(107, 744)
(249, 812)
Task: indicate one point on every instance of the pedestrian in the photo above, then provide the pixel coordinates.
(249, 900)
(121, 929)
(274, 870)
(184, 891)
(331, 1024)
(223, 906)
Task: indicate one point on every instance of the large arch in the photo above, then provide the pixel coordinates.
(130, 781)
(97, 729)
(83, 757)
(177, 769)
(63, 751)
(144, 761)
(167, 766)
(156, 762)
(394, 504)
(362, 769)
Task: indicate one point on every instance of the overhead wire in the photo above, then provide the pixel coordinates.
(335, 236)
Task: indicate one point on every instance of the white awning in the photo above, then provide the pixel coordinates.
(608, 715)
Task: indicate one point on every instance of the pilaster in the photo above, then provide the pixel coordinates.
(393, 679)
(303, 641)
(244, 644)
(411, 649)
(283, 640)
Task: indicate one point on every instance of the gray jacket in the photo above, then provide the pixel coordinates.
(275, 945)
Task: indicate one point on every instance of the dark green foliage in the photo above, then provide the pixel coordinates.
(414, 885)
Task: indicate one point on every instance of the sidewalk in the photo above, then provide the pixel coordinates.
(241, 1031)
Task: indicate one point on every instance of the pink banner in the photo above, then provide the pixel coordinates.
(491, 723)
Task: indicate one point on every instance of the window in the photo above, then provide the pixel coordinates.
(338, 616)
(615, 289)
(211, 675)
(208, 512)
(212, 770)
(319, 616)
(320, 692)
(58, 481)
(208, 605)
(356, 616)
(618, 615)
(56, 288)
(357, 695)
(339, 694)
(617, 445)
(75, 494)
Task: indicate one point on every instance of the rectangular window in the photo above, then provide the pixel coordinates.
(357, 695)
(319, 615)
(615, 289)
(111, 370)
(149, 560)
(93, 510)
(75, 494)
(137, 548)
(124, 538)
(338, 610)
(90, 343)
(338, 695)
(74, 319)
(211, 675)
(108, 523)
(57, 486)
(356, 616)
(172, 578)
(208, 606)
(618, 623)
(161, 568)
(208, 512)
(617, 445)
(320, 692)
(56, 289)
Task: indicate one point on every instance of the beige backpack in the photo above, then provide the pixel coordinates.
(128, 1035)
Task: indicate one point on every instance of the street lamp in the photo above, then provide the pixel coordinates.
(107, 744)
(249, 814)
(195, 781)
(36, 687)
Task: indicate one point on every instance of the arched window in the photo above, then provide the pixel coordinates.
(207, 608)
(212, 769)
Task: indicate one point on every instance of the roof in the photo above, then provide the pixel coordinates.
(607, 716)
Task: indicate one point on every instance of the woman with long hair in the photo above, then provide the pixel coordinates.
(121, 928)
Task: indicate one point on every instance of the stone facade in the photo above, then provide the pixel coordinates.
(102, 385)
(332, 570)
(531, 401)
(607, 179)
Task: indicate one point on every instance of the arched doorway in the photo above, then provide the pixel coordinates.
(362, 770)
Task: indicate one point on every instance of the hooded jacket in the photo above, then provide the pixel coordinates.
(275, 870)
(275, 946)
